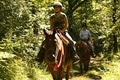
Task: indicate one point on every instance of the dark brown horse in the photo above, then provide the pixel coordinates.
(84, 53)
(64, 59)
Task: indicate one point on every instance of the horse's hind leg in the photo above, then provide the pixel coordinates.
(86, 65)
(86, 68)
(81, 67)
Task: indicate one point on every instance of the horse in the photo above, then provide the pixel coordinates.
(64, 59)
(84, 53)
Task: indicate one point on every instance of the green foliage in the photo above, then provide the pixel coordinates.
(22, 21)
(12, 70)
(14, 17)
(17, 69)
(99, 18)
(18, 38)
(113, 68)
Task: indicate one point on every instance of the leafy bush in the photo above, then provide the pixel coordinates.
(17, 69)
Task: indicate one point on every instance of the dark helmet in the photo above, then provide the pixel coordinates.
(84, 25)
(57, 4)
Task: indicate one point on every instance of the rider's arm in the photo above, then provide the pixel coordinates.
(89, 34)
(51, 24)
(65, 24)
(81, 35)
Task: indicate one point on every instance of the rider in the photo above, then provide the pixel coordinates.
(59, 21)
(85, 35)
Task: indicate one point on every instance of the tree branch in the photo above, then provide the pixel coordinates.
(77, 4)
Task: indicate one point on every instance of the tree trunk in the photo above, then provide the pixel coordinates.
(70, 14)
(115, 50)
(115, 46)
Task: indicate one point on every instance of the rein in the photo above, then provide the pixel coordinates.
(59, 52)
(59, 63)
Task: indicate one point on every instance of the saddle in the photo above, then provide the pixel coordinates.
(87, 43)
(62, 37)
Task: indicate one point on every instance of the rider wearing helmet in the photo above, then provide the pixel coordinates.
(59, 21)
(85, 36)
(57, 4)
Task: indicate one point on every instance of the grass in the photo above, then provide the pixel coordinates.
(17, 69)
(113, 72)
(100, 69)
(107, 69)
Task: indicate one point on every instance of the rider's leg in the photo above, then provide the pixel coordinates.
(58, 47)
(91, 48)
(74, 55)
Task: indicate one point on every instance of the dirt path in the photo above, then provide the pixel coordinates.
(92, 74)
(99, 69)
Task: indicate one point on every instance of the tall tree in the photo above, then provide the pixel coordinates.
(72, 6)
(115, 43)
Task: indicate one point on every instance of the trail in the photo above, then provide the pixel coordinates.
(92, 74)
(100, 69)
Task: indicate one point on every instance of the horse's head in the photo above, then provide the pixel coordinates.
(55, 63)
(50, 44)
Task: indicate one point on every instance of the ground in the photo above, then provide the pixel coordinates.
(100, 69)
(92, 74)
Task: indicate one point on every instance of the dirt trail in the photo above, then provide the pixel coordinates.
(92, 74)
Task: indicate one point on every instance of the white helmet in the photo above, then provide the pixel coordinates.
(57, 4)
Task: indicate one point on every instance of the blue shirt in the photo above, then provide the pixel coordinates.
(84, 34)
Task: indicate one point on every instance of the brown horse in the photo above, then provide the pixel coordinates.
(84, 53)
(64, 59)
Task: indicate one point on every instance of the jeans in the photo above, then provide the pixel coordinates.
(72, 44)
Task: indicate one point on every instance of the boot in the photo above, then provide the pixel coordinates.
(93, 53)
(91, 50)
